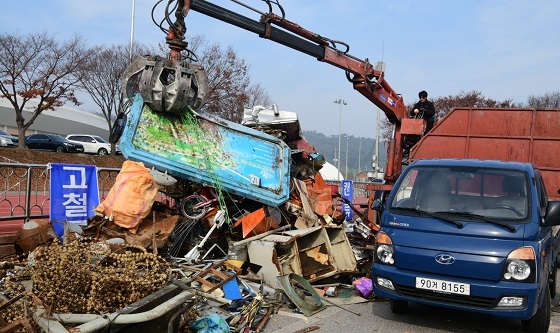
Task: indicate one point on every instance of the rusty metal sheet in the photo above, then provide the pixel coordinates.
(411, 126)
(315, 262)
(521, 135)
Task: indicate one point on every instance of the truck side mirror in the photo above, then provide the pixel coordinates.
(377, 205)
(552, 216)
(379, 200)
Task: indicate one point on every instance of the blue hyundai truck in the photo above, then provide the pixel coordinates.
(473, 235)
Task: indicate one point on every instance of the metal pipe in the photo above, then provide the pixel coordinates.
(47, 325)
(93, 323)
(340, 307)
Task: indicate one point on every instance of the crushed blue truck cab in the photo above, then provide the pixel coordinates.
(472, 235)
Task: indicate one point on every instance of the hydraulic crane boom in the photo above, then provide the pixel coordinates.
(162, 95)
(365, 78)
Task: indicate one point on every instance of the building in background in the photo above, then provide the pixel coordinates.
(63, 121)
(362, 176)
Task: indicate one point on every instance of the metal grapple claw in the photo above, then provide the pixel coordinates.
(166, 85)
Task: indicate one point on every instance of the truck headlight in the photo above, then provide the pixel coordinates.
(384, 249)
(520, 265)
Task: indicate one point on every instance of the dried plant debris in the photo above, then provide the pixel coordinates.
(82, 277)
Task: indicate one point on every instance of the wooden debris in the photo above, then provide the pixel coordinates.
(214, 270)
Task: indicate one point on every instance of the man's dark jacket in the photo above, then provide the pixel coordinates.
(426, 108)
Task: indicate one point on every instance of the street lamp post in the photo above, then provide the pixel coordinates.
(340, 102)
(131, 33)
(335, 159)
(377, 144)
(347, 139)
(360, 157)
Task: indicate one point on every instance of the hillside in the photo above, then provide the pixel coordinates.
(360, 150)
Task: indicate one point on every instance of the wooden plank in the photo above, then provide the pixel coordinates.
(214, 270)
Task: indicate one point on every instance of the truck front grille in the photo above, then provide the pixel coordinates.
(470, 301)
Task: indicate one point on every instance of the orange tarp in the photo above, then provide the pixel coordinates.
(131, 197)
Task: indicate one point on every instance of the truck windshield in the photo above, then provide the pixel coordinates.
(496, 194)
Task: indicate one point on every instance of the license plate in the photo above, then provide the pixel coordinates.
(442, 286)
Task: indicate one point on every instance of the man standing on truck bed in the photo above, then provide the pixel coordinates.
(424, 109)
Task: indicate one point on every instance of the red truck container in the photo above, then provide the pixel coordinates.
(522, 135)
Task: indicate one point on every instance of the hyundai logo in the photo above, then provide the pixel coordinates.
(445, 259)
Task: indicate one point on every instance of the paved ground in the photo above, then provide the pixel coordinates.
(377, 317)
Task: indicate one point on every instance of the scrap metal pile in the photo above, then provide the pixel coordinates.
(223, 257)
(247, 225)
(236, 273)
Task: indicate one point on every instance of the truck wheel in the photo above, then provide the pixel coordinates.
(540, 322)
(399, 307)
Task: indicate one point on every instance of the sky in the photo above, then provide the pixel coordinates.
(506, 49)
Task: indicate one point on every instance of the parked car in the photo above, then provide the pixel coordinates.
(8, 140)
(52, 142)
(93, 144)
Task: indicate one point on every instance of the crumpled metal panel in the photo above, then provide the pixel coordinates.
(521, 135)
(212, 150)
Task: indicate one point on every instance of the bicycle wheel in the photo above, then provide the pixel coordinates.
(194, 206)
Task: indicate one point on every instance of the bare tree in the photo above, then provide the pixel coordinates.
(102, 78)
(228, 79)
(37, 67)
(258, 96)
(228, 82)
(472, 98)
(550, 100)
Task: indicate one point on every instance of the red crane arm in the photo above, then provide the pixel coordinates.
(366, 79)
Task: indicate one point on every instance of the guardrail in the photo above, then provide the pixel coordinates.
(25, 190)
(359, 188)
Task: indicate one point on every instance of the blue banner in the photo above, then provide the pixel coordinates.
(347, 193)
(73, 194)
